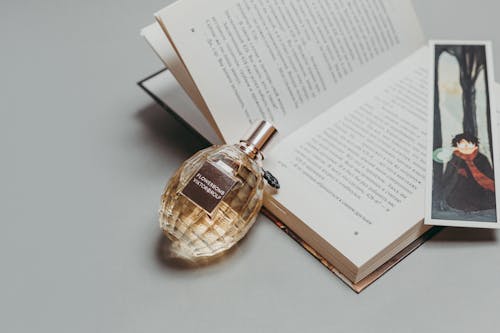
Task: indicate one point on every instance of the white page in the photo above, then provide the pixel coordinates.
(286, 61)
(360, 165)
(160, 44)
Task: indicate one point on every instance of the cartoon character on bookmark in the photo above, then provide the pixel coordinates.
(468, 180)
(462, 162)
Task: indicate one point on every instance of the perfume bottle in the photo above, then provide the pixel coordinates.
(214, 197)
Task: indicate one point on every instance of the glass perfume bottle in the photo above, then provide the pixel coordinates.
(214, 197)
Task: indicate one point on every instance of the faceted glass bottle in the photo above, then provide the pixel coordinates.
(229, 178)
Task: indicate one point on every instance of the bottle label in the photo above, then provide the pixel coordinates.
(208, 187)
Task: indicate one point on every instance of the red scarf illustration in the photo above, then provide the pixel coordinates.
(479, 177)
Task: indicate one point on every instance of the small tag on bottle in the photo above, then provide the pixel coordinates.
(208, 187)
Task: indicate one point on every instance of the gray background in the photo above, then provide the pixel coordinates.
(85, 155)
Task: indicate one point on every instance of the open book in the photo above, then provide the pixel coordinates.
(345, 83)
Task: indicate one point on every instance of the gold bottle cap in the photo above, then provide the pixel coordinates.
(257, 137)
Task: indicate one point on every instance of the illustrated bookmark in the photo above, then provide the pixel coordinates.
(463, 147)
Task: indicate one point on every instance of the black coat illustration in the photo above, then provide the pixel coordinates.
(462, 190)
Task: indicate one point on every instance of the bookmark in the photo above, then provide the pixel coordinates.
(462, 151)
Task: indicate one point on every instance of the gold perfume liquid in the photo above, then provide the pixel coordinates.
(214, 197)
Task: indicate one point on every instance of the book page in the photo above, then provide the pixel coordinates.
(361, 164)
(158, 41)
(286, 61)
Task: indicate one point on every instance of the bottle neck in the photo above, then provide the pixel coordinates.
(250, 150)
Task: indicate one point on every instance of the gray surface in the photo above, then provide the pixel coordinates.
(85, 155)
